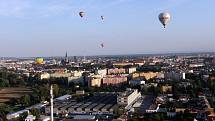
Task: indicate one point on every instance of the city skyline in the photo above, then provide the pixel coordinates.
(50, 28)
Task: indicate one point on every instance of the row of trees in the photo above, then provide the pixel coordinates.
(11, 79)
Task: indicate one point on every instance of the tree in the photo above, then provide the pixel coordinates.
(156, 117)
(4, 82)
(4, 110)
(35, 112)
(56, 90)
(154, 90)
(23, 116)
(25, 100)
(43, 91)
(187, 115)
(14, 101)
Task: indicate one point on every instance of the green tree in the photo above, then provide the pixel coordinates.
(25, 100)
(35, 112)
(4, 110)
(156, 117)
(23, 116)
(14, 101)
(43, 91)
(4, 82)
(56, 90)
(154, 90)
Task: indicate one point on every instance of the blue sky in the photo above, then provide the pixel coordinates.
(51, 27)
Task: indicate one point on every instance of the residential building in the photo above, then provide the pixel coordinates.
(147, 75)
(44, 76)
(128, 97)
(114, 80)
(166, 88)
(95, 82)
(102, 72)
(116, 71)
(131, 70)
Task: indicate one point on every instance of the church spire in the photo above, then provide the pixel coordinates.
(66, 55)
(66, 59)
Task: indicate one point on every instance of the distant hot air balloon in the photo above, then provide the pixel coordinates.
(164, 18)
(102, 45)
(102, 17)
(39, 61)
(81, 14)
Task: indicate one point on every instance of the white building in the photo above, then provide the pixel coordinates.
(77, 73)
(128, 97)
(196, 65)
(16, 114)
(131, 70)
(183, 75)
(30, 118)
(102, 72)
(94, 81)
(137, 82)
(45, 76)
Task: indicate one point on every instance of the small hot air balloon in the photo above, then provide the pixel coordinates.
(102, 45)
(164, 18)
(102, 17)
(81, 14)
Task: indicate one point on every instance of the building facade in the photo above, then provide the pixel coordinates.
(114, 80)
(128, 97)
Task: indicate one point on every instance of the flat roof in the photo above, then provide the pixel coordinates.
(61, 98)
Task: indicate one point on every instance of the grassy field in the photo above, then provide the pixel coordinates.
(6, 94)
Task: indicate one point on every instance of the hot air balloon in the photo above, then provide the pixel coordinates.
(39, 61)
(81, 14)
(102, 45)
(102, 17)
(164, 18)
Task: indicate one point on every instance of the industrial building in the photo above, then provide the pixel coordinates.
(104, 103)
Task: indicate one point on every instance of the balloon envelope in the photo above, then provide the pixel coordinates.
(102, 17)
(39, 61)
(164, 18)
(102, 45)
(81, 14)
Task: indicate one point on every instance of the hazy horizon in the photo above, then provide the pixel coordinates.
(128, 54)
(38, 28)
